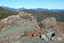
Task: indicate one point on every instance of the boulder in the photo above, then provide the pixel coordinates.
(26, 16)
(44, 37)
(48, 22)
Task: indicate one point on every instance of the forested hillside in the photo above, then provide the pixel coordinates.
(40, 15)
(5, 13)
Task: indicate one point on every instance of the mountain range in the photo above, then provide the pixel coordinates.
(43, 9)
(13, 9)
(37, 9)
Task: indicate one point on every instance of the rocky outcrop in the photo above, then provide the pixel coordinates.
(48, 22)
(13, 27)
(52, 26)
(24, 28)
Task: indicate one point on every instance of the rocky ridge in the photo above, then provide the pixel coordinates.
(24, 28)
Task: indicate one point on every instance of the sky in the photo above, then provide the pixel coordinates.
(50, 4)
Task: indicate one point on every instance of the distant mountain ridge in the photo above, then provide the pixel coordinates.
(37, 9)
(13, 9)
(43, 9)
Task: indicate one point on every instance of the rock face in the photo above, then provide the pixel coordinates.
(24, 28)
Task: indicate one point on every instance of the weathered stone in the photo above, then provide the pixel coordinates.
(44, 37)
(26, 16)
(14, 26)
(48, 22)
(51, 34)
